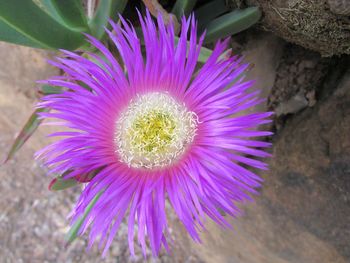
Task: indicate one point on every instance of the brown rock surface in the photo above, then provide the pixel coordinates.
(299, 74)
(263, 51)
(303, 211)
(309, 23)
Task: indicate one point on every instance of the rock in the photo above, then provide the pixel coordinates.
(309, 23)
(303, 211)
(299, 73)
(310, 171)
(293, 105)
(263, 51)
(340, 7)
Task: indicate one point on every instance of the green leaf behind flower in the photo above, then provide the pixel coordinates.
(9, 34)
(106, 9)
(34, 25)
(29, 128)
(183, 7)
(206, 13)
(232, 23)
(74, 230)
(59, 183)
(68, 12)
(48, 90)
(204, 53)
(49, 8)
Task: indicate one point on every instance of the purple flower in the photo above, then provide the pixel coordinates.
(152, 129)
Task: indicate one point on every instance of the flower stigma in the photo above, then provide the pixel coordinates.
(154, 131)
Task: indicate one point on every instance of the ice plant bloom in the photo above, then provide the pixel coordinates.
(154, 128)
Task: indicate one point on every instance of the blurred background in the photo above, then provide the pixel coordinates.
(303, 210)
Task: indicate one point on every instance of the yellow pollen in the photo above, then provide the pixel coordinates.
(154, 131)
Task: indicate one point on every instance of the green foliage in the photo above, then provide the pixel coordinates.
(47, 90)
(74, 231)
(32, 24)
(204, 53)
(70, 13)
(59, 183)
(53, 24)
(9, 34)
(183, 7)
(232, 23)
(105, 10)
(210, 11)
(29, 128)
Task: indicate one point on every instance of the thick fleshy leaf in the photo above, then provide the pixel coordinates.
(50, 9)
(70, 12)
(47, 90)
(74, 230)
(210, 11)
(106, 9)
(27, 131)
(33, 23)
(59, 183)
(204, 53)
(9, 34)
(232, 23)
(183, 7)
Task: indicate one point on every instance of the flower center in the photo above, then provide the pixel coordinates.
(154, 131)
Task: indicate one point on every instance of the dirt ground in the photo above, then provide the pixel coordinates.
(300, 216)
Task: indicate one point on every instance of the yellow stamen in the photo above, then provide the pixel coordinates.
(154, 131)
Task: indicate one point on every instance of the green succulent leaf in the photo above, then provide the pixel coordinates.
(183, 7)
(60, 183)
(74, 230)
(106, 9)
(9, 34)
(47, 90)
(49, 8)
(210, 11)
(68, 12)
(35, 25)
(204, 53)
(29, 128)
(232, 23)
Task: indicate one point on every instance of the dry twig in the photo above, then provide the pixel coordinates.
(155, 8)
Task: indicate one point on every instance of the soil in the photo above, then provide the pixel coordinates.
(300, 215)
